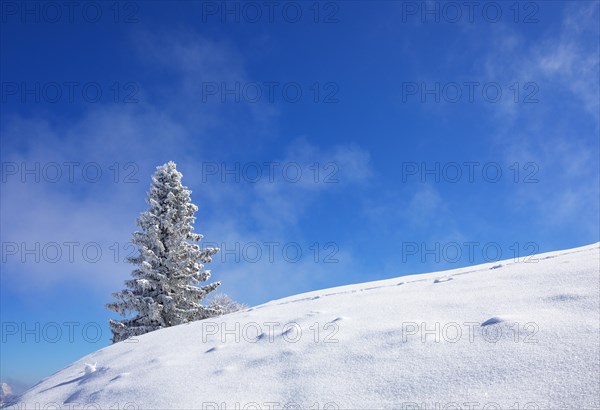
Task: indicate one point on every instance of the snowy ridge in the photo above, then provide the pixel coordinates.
(500, 335)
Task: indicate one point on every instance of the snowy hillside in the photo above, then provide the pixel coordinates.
(509, 335)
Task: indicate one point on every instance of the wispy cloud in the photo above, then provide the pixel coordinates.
(146, 135)
(559, 132)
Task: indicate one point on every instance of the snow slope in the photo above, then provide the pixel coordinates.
(524, 335)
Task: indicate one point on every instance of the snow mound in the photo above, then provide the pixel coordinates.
(90, 368)
(502, 335)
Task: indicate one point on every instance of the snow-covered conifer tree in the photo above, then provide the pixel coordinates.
(225, 303)
(164, 287)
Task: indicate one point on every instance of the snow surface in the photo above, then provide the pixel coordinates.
(369, 350)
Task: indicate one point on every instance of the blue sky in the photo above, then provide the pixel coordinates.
(395, 99)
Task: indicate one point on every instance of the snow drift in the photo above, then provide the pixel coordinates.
(501, 335)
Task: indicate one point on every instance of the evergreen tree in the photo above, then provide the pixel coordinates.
(225, 303)
(164, 287)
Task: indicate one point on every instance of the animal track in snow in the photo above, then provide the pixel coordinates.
(120, 376)
(492, 321)
(564, 297)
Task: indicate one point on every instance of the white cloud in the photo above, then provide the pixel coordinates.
(180, 128)
(560, 132)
